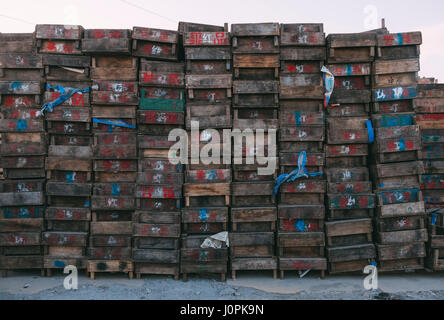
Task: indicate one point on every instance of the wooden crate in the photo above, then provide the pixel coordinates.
(197, 260)
(347, 131)
(397, 175)
(253, 219)
(301, 86)
(398, 45)
(348, 232)
(192, 190)
(266, 119)
(302, 264)
(350, 258)
(19, 66)
(119, 68)
(155, 43)
(257, 94)
(58, 39)
(243, 172)
(351, 47)
(310, 192)
(101, 266)
(253, 264)
(247, 194)
(401, 257)
(209, 116)
(301, 218)
(17, 42)
(350, 206)
(106, 41)
(67, 67)
(210, 220)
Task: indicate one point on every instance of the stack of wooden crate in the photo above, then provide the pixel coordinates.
(114, 102)
(429, 116)
(22, 154)
(255, 103)
(68, 165)
(399, 223)
(207, 184)
(350, 199)
(301, 210)
(156, 228)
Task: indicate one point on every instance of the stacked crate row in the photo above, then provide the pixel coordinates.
(207, 184)
(156, 224)
(114, 101)
(68, 164)
(350, 200)
(399, 222)
(255, 108)
(22, 154)
(429, 106)
(301, 210)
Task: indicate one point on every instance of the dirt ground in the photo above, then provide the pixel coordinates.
(247, 286)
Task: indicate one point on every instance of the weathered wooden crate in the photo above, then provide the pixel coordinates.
(162, 99)
(23, 144)
(67, 68)
(185, 27)
(302, 138)
(350, 258)
(250, 66)
(253, 264)
(252, 244)
(20, 262)
(21, 193)
(155, 147)
(348, 232)
(23, 167)
(253, 219)
(210, 220)
(20, 88)
(155, 43)
(403, 73)
(161, 74)
(289, 162)
(266, 119)
(256, 94)
(394, 94)
(245, 172)
(398, 45)
(302, 264)
(310, 192)
(115, 146)
(347, 131)
(195, 82)
(117, 196)
(301, 86)
(402, 223)
(396, 144)
(397, 175)
(58, 39)
(430, 121)
(301, 244)
(430, 98)
(108, 171)
(297, 34)
(248, 194)
(208, 59)
(293, 116)
(264, 31)
(123, 93)
(19, 66)
(14, 101)
(301, 218)
(300, 59)
(197, 190)
(159, 165)
(119, 68)
(401, 257)
(159, 198)
(347, 175)
(100, 266)
(17, 42)
(209, 116)
(432, 188)
(106, 41)
(197, 260)
(21, 212)
(351, 47)
(68, 194)
(350, 206)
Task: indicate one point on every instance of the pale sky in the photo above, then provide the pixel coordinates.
(336, 15)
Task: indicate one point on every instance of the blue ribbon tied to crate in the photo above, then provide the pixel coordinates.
(118, 123)
(65, 94)
(297, 173)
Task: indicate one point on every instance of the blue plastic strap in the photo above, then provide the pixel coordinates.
(371, 133)
(121, 123)
(297, 173)
(65, 94)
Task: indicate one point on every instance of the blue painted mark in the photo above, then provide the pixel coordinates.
(179, 166)
(396, 121)
(70, 177)
(24, 213)
(110, 128)
(203, 215)
(16, 85)
(400, 39)
(300, 225)
(59, 264)
(22, 125)
(115, 190)
(381, 185)
(178, 206)
(373, 264)
(401, 144)
(297, 116)
(212, 174)
(87, 204)
(349, 69)
(434, 217)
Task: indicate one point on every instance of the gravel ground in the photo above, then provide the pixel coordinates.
(248, 286)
